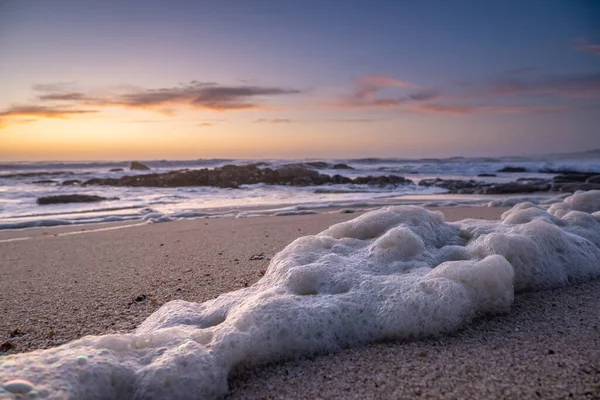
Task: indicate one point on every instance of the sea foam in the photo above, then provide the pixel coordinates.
(396, 273)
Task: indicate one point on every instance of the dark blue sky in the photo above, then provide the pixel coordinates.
(435, 67)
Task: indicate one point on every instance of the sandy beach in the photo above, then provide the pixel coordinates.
(59, 284)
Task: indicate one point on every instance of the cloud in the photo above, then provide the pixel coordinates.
(72, 96)
(43, 112)
(366, 87)
(205, 124)
(26, 113)
(55, 87)
(273, 121)
(354, 120)
(556, 85)
(464, 109)
(195, 94)
(589, 48)
(484, 96)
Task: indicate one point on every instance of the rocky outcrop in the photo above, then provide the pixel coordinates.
(575, 186)
(117, 170)
(524, 185)
(310, 164)
(71, 198)
(453, 185)
(231, 176)
(381, 180)
(573, 181)
(341, 166)
(512, 169)
(487, 175)
(138, 166)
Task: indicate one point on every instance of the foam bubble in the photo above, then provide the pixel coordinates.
(397, 272)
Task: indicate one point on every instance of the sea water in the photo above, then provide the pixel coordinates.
(18, 194)
(395, 273)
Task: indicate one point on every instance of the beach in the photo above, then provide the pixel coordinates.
(63, 283)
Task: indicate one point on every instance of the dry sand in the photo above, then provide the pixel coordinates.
(56, 287)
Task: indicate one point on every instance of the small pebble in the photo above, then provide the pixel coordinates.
(18, 386)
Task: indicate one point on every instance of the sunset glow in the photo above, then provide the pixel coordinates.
(123, 80)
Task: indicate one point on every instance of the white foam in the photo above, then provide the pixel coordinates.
(397, 272)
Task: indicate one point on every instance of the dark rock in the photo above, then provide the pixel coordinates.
(116, 169)
(317, 164)
(516, 187)
(71, 182)
(453, 185)
(573, 177)
(564, 171)
(512, 169)
(339, 179)
(573, 187)
(381, 180)
(593, 179)
(231, 176)
(341, 166)
(487, 175)
(45, 181)
(71, 198)
(138, 166)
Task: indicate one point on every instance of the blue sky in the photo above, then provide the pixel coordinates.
(400, 77)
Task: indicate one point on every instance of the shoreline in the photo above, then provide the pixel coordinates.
(429, 201)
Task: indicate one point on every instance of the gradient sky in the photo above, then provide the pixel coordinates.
(104, 79)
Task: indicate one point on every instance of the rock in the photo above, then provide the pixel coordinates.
(573, 187)
(565, 171)
(516, 187)
(18, 386)
(232, 176)
(71, 182)
(381, 180)
(71, 198)
(341, 166)
(573, 177)
(45, 181)
(138, 166)
(454, 185)
(487, 175)
(118, 169)
(317, 164)
(512, 169)
(593, 179)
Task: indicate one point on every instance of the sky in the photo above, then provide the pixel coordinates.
(180, 79)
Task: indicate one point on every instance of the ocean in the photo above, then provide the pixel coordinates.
(20, 186)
